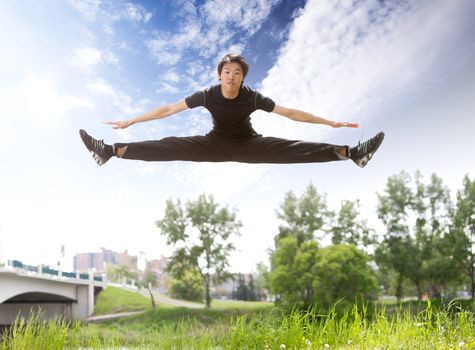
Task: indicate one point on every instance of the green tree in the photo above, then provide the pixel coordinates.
(252, 292)
(416, 243)
(120, 273)
(283, 272)
(394, 211)
(200, 233)
(305, 260)
(433, 208)
(348, 228)
(305, 220)
(189, 286)
(462, 232)
(291, 277)
(342, 272)
(242, 290)
(262, 281)
(303, 217)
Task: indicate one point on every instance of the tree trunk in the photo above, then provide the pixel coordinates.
(472, 275)
(399, 288)
(419, 290)
(207, 291)
(151, 296)
(308, 296)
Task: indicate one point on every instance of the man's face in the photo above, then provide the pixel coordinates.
(231, 75)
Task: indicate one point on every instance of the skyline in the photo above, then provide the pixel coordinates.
(70, 65)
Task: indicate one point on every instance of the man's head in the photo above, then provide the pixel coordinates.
(231, 57)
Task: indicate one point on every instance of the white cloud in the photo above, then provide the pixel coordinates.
(136, 13)
(198, 122)
(158, 48)
(111, 58)
(86, 58)
(110, 11)
(210, 29)
(165, 87)
(244, 14)
(88, 8)
(171, 76)
(217, 177)
(117, 98)
(39, 99)
(342, 60)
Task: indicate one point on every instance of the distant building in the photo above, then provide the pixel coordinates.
(159, 268)
(129, 261)
(83, 262)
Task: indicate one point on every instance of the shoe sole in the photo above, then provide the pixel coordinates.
(363, 161)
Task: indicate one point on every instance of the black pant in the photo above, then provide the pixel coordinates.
(251, 149)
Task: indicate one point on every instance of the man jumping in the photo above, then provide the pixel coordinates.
(232, 137)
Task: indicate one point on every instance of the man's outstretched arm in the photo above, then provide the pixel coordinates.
(157, 113)
(305, 117)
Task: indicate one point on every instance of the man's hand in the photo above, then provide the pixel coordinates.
(121, 124)
(344, 125)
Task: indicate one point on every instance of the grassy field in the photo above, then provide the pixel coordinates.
(240, 325)
(113, 300)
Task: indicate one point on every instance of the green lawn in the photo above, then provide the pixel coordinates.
(114, 300)
(238, 304)
(242, 325)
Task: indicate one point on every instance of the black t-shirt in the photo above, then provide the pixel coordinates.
(231, 117)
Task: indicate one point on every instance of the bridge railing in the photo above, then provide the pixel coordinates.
(46, 270)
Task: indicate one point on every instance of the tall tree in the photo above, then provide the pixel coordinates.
(349, 228)
(283, 272)
(242, 290)
(304, 278)
(303, 217)
(262, 281)
(393, 210)
(433, 208)
(463, 230)
(200, 233)
(305, 220)
(416, 243)
(252, 295)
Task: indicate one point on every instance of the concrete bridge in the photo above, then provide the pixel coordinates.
(24, 290)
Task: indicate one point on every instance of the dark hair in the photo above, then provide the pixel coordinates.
(232, 57)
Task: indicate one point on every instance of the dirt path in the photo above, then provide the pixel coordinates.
(158, 297)
(113, 316)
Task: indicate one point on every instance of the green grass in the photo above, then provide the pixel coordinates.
(258, 328)
(245, 325)
(114, 300)
(238, 304)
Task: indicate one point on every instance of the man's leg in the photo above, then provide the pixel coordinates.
(259, 149)
(191, 148)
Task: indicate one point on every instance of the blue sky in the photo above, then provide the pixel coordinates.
(405, 67)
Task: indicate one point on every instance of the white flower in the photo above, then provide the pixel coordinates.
(308, 342)
(282, 346)
(326, 346)
(419, 324)
(349, 342)
(462, 344)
